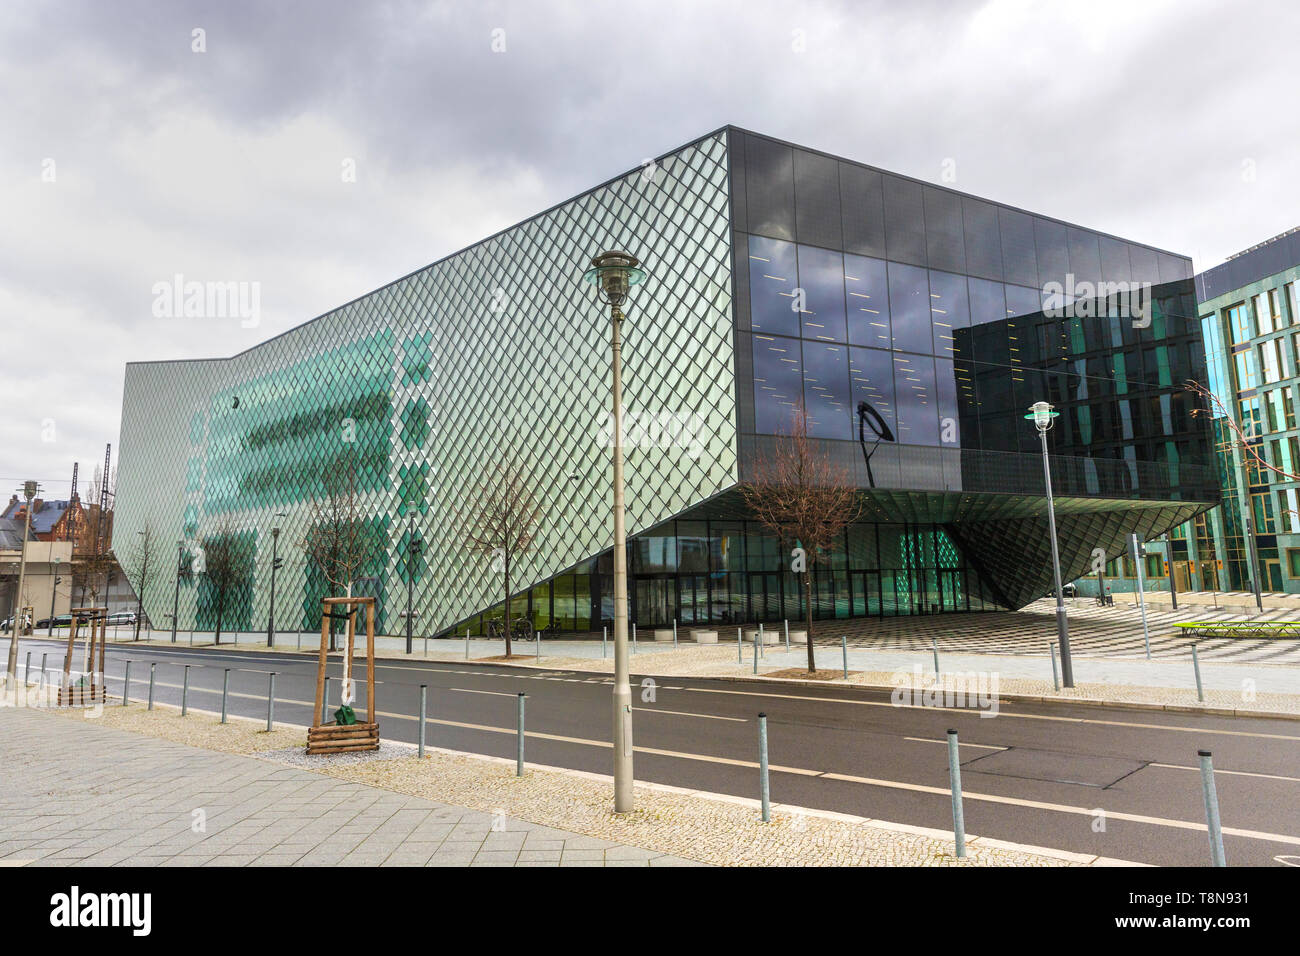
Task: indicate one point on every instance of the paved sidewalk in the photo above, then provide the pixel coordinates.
(78, 793)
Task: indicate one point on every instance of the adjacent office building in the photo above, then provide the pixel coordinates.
(914, 323)
(1250, 317)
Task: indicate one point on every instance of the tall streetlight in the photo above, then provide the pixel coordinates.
(176, 597)
(412, 553)
(54, 593)
(1042, 415)
(275, 566)
(29, 492)
(613, 274)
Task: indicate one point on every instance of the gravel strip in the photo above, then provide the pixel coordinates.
(706, 829)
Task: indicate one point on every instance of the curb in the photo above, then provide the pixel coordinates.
(792, 682)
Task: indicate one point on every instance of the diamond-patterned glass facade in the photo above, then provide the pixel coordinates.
(499, 352)
(776, 275)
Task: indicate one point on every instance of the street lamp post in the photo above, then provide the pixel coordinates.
(54, 592)
(176, 597)
(1042, 415)
(613, 274)
(275, 566)
(29, 492)
(412, 552)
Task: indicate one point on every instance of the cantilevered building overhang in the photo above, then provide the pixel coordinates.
(778, 276)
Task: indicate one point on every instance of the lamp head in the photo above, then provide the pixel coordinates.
(1041, 414)
(613, 274)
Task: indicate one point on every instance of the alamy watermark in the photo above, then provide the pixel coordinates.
(179, 299)
(658, 430)
(970, 689)
(1076, 299)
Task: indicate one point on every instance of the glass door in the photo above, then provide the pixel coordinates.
(764, 596)
(656, 600)
(865, 593)
(694, 598)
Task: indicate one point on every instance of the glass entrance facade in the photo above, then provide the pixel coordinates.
(729, 573)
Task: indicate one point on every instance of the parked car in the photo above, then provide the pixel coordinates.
(9, 623)
(122, 619)
(61, 620)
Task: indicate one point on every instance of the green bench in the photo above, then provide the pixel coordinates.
(1257, 629)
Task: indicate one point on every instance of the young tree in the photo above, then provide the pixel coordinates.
(143, 566)
(504, 515)
(340, 542)
(800, 497)
(227, 563)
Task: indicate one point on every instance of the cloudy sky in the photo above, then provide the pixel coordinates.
(322, 149)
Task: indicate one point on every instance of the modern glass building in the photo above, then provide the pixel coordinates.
(778, 277)
(1249, 310)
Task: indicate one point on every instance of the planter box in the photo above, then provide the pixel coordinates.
(704, 637)
(663, 634)
(769, 637)
(798, 637)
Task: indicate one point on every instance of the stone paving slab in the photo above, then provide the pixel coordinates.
(78, 793)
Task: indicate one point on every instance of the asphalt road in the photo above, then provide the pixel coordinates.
(1111, 781)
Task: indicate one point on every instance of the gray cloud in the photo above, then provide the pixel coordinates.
(225, 165)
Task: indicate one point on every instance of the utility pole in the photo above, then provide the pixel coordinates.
(1169, 556)
(1139, 553)
(1042, 415)
(412, 549)
(54, 592)
(176, 598)
(1253, 554)
(275, 566)
(613, 274)
(29, 492)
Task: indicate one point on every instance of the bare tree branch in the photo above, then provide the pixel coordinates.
(801, 498)
(503, 520)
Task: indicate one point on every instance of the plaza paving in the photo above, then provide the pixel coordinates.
(80, 794)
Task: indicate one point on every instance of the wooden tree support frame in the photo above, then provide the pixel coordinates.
(90, 689)
(334, 738)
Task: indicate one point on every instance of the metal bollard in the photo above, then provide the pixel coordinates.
(270, 703)
(225, 692)
(467, 643)
(954, 781)
(27, 669)
(424, 713)
(42, 682)
(934, 646)
(1211, 809)
(153, 665)
(740, 645)
(300, 639)
(537, 635)
(844, 649)
(519, 757)
(756, 642)
(761, 640)
(633, 637)
(604, 634)
(185, 692)
(786, 622)
(1056, 671)
(126, 684)
(674, 633)
(762, 767)
(426, 645)
(1196, 666)
(325, 702)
